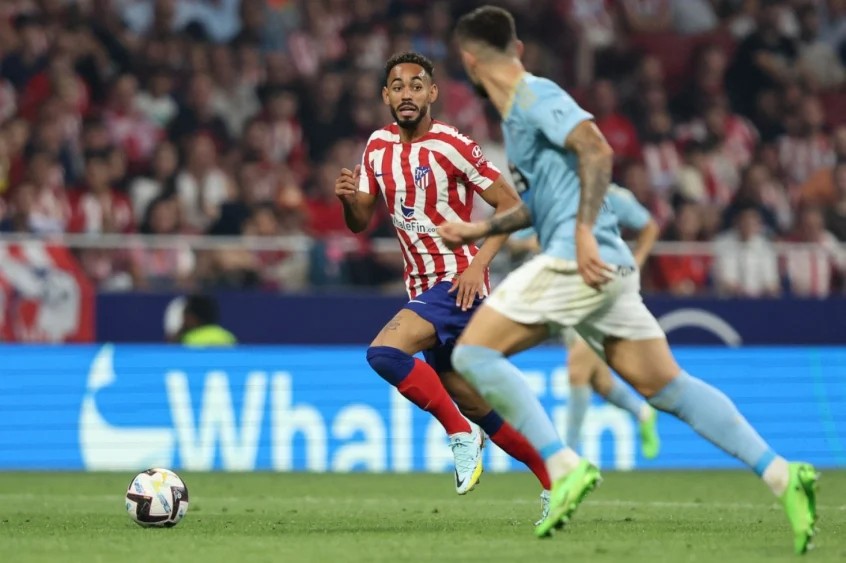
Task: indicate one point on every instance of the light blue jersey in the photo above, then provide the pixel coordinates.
(627, 209)
(547, 176)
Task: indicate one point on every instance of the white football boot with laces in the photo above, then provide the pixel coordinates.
(467, 449)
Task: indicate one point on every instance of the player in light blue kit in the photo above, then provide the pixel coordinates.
(585, 278)
(586, 370)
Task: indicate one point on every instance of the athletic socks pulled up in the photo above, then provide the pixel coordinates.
(418, 383)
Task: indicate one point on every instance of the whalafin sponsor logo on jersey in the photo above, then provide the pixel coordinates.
(412, 226)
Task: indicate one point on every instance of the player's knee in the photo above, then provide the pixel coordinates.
(392, 364)
(468, 359)
(668, 397)
(578, 375)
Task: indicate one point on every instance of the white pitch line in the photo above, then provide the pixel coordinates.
(389, 500)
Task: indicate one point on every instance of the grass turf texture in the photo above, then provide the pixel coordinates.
(632, 518)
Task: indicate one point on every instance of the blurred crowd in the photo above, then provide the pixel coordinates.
(233, 117)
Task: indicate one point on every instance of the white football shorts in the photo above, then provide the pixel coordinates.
(548, 290)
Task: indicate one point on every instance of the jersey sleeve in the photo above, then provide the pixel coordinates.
(479, 172)
(367, 178)
(630, 213)
(555, 113)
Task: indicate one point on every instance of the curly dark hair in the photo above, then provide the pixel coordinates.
(409, 57)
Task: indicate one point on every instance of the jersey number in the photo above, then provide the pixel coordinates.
(520, 183)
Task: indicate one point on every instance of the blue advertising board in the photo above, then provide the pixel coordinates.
(127, 407)
(263, 318)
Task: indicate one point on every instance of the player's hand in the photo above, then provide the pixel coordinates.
(457, 234)
(468, 285)
(593, 270)
(346, 185)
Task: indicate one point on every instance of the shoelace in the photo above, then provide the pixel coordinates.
(544, 497)
(464, 452)
(545, 503)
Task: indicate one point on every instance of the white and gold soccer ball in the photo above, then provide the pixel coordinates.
(157, 498)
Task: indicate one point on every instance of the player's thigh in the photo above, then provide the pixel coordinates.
(630, 339)
(491, 329)
(648, 365)
(469, 401)
(581, 362)
(408, 332)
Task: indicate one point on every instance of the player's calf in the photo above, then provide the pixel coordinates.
(418, 383)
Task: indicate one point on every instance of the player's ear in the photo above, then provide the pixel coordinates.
(519, 46)
(433, 93)
(467, 58)
(385, 99)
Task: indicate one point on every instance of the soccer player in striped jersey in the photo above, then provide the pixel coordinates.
(586, 278)
(427, 173)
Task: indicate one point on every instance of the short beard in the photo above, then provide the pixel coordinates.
(410, 124)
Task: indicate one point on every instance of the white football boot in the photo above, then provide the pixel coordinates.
(467, 450)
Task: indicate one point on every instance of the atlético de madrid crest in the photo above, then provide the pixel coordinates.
(421, 177)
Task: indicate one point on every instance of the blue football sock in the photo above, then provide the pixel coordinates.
(623, 397)
(577, 407)
(392, 364)
(504, 387)
(711, 414)
(490, 423)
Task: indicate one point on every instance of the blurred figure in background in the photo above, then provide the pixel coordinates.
(745, 261)
(686, 273)
(813, 265)
(162, 268)
(194, 321)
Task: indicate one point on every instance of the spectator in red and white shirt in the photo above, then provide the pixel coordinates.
(128, 127)
(746, 264)
(49, 210)
(812, 264)
(286, 139)
(806, 148)
(162, 268)
(731, 139)
(97, 207)
(688, 273)
(202, 186)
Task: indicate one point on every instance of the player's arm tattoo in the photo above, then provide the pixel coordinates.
(512, 220)
(595, 163)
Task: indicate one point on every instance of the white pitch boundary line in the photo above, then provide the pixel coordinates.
(388, 500)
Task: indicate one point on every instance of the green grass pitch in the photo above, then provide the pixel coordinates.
(633, 517)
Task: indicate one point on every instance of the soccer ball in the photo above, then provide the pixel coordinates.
(157, 498)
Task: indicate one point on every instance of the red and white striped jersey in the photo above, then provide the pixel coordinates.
(425, 183)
